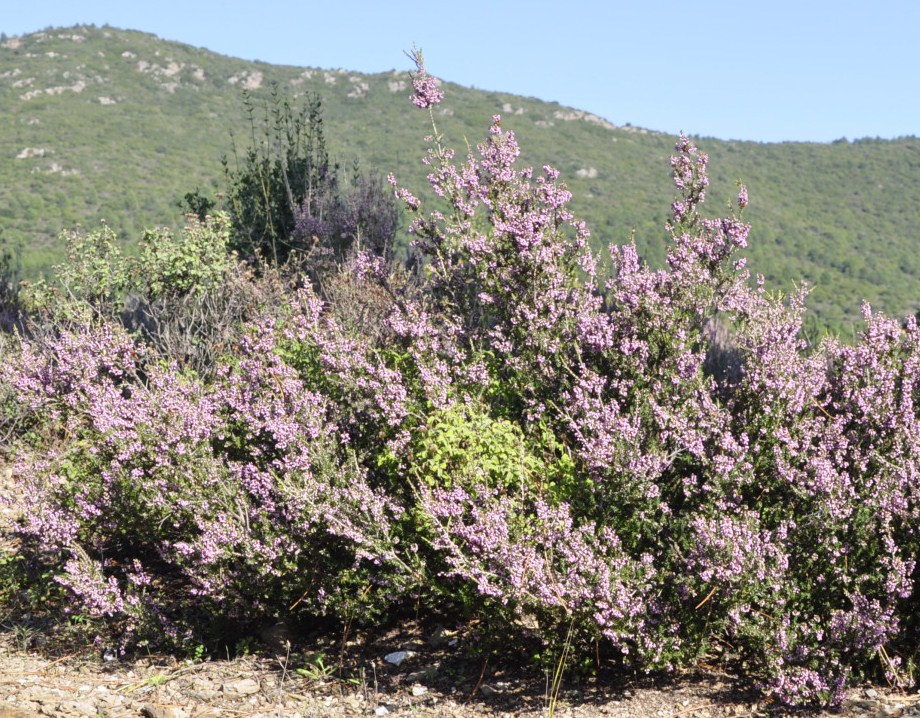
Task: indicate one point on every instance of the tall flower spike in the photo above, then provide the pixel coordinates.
(426, 89)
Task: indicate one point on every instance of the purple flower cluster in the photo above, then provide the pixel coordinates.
(235, 493)
(427, 93)
(759, 494)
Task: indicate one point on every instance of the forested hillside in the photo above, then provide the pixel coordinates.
(102, 123)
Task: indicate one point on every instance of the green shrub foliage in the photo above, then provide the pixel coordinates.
(287, 198)
(507, 423)
(194, 263)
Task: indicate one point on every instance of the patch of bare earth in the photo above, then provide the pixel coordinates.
(80, 685)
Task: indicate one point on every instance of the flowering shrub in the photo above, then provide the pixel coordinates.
(496, 423)
(177, 503)
(772, 510)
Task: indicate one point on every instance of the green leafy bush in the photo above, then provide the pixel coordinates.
(285, 166)
(288, 200)
(90, 284)
(194, 263)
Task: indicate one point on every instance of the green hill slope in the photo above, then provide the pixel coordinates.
(114, 124)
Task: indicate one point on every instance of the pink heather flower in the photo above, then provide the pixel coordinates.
(743, 197)
(426, 89)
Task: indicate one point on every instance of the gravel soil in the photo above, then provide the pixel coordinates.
(36, 684)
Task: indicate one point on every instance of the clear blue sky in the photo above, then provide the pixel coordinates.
(767, 70)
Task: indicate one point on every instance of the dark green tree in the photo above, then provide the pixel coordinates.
(284, 170)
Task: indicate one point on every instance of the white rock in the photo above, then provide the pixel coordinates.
(397, 657)
(241, 687)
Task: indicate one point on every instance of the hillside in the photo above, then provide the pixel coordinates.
(116, 124)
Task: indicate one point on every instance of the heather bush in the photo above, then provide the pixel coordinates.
(177, 507)
(743, 511)
(340, 220)
(649, 460)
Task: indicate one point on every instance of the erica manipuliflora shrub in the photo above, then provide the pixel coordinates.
(175, 503)
(649, 461)
(747, 509)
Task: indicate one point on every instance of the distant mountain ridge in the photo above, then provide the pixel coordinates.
(118, 124)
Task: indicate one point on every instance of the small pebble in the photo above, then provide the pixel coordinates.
(397, 657)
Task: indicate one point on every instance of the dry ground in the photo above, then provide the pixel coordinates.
(435, 679)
